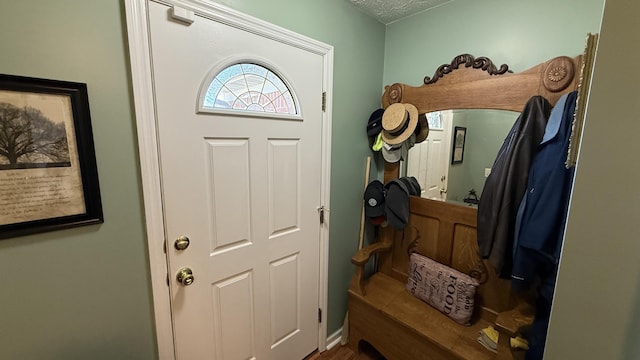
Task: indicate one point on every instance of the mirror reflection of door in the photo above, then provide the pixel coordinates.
(429, 160)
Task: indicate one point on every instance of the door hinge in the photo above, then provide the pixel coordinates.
(321, 211)
(319, 315)
(324, 101)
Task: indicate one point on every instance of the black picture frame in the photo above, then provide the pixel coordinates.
(459, 139)
(49, 177)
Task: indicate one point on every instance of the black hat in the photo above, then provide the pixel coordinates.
(374, 125)
(422, 128)
(397, 204)
(412, 185)
(374, 199)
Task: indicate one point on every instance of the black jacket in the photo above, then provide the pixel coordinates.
(505, 186)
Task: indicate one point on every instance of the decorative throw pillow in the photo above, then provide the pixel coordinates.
(444, 288)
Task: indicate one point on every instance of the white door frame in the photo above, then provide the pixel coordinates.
(142, 81)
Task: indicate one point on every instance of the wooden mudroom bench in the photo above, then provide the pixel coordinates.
(400, 326)
(381, 311)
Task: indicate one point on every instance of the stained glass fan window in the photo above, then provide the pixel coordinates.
(249, 87)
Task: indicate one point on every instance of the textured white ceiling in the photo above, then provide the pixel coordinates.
(388, 11)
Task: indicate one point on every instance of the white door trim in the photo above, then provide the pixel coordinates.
(142, 81)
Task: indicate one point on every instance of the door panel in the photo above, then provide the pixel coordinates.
(227, 165)
(284, 185)
(233, 317)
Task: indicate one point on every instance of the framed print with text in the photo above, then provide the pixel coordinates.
(48, 172)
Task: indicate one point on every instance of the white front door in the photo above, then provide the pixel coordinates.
(244, 188)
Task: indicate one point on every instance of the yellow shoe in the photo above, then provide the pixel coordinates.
(519, 343)
(491, 333)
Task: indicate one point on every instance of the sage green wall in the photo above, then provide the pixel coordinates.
(518, 33)
(358, 44)
(596, 310)
(82, 293)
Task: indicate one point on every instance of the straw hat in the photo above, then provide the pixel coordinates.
(398, 123)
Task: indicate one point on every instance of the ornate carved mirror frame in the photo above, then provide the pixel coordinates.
(476, 83)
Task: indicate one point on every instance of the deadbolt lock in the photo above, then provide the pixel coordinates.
(181, 243)
(185, 276)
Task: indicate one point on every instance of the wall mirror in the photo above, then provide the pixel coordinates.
(432, 161)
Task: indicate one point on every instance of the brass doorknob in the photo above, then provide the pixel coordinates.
(181, 243)
(185, 276)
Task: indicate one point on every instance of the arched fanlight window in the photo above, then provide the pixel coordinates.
(249, 87)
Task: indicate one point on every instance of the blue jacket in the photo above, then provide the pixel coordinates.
(542, 213)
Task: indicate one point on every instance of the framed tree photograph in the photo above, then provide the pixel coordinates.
(459, 136)
(48, 172)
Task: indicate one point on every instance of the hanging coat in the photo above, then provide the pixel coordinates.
(543, 212)
(505, 186)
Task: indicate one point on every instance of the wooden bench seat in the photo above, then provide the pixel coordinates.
(389, 310)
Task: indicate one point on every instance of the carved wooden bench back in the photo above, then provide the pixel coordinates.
(446, 232)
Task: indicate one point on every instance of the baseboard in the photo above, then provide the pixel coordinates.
(334, 339)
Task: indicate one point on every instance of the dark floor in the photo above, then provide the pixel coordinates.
(340, 352)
